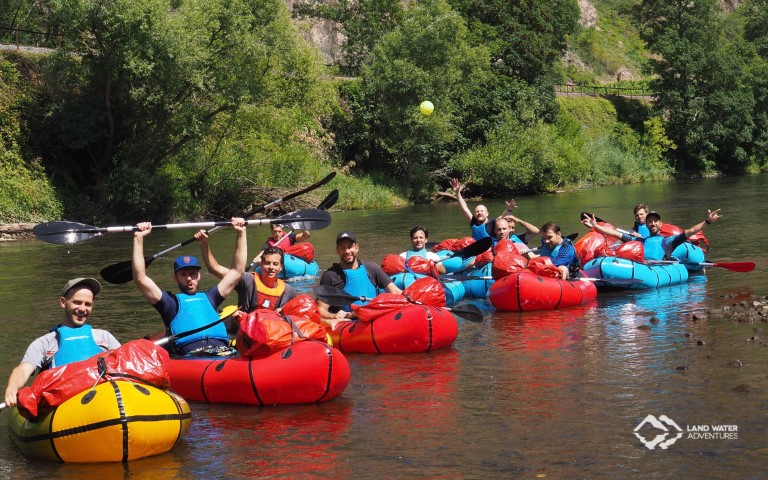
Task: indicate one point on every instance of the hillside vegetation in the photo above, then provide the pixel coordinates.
(196, 108)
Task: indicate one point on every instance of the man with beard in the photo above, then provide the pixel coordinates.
(354, 276)
(191, 308)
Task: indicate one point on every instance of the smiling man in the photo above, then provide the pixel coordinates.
(70, 341)
(254, 290)
(356, 277)
(190, 308)
(560, 249)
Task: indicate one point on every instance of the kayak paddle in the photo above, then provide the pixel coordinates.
(732, 266)
(122, 272)
(339, 298)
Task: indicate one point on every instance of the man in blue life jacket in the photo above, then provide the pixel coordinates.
(560, 249)
(419, 235)
(479, 223)
(354, 276)
(71, 341)
(655, 246)
(191, 308)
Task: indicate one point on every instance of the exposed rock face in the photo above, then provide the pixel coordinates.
(588, 18)
(323, 34)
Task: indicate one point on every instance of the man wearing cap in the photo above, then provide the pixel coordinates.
(70, 341)
(356, 277)
(655, 246)
(191, 308)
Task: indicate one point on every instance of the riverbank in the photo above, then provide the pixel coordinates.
(16, 231)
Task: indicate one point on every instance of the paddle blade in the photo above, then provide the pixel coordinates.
(330, 200)
(334, 297)
(309, 219)
(586, 215)
(468, 311)
(475, 248)
(118, 273)
(63, 233)
(735, 266)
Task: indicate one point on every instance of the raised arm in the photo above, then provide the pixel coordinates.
(213, 266)
(147, 286)
(303, 236)
(712, 216)
(529, 227)
(590, 222)
(457, 186)
(236, 269)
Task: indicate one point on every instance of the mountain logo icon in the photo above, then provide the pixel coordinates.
(663, 426)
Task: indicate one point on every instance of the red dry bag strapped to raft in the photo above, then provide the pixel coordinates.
(392, 264)
(263, 332)
(140, 360)
(507, 263)
(543, 267)
(304, 251)
(453, 244)
(425, 290)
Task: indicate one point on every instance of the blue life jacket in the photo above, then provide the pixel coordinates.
(479, 231)
(653, 247)
(75, 344)
(358, 284)
(515, 238)
(642, 230)
(196, 311)
(416, 253)
(573, 267)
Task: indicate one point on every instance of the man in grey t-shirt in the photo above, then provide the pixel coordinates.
(71, 341)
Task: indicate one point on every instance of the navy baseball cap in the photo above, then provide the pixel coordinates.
(652, 216)
(185, 262)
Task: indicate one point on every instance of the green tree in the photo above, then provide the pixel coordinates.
(141, 83)
(755, 13)
(426, 57)
(699, 84)
(526, 40)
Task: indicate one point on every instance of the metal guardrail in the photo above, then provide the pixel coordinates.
(13, 36)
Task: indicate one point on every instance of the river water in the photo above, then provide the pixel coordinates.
(553, 394)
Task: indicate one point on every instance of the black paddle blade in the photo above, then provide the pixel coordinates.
(475, 248)
(334, 297)
(586, 215)
(61, 232)
(310, 219)
(468, 311)
(118, 273)
(330, 200)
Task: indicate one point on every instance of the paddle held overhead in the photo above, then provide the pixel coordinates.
(71, 232)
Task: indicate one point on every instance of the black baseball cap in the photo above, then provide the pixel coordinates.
(346, 236)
